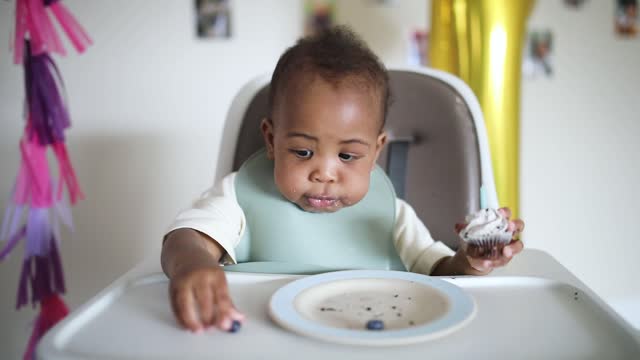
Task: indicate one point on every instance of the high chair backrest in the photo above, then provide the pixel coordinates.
(437, 154)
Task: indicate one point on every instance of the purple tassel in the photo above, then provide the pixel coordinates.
(48, 115)
(44, 274)
(11, 221)
(63, 212)
(41, 281)
(12, 217)
(9, 212)
(38, 232)
(23, 294)
(56, 268)
(12, 242)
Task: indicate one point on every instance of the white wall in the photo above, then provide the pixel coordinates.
(580, 157)
(148, 101)
(385, 28)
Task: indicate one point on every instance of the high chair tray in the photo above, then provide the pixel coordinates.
(517, 316)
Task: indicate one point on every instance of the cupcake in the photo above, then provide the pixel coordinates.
(486, 234)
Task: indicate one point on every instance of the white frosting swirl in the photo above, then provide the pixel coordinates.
(486, 224)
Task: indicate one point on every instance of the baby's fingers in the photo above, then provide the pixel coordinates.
(479, 264)
(516, 226)
(486, 265)
(184, 305)
(226, 312)
(505, 211)
(512, 249)
(206, 308)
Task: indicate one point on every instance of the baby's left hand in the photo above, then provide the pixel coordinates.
(484, 266)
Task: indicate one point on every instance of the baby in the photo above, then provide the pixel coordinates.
(328, 102)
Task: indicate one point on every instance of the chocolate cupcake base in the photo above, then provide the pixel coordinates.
(489, 250)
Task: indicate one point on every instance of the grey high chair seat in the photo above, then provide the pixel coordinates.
(437, 155)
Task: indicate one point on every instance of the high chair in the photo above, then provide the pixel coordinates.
(437, 155)
(438, 160)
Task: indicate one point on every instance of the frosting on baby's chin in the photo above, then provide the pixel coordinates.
(484, 223)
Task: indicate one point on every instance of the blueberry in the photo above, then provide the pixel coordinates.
(375, 325)
(235, 326)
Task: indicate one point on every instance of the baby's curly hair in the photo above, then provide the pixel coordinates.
(337, 55)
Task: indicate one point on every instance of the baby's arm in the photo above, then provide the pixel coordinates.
(198, 288)
(190, 257)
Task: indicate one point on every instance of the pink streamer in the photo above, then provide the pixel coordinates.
(33, 30)
(52, 310)
(78, 36)
(20, 31)
(42, 25)
(37, 175)
(33, 190)
(67, 174)
(21, 193)
(33, 20)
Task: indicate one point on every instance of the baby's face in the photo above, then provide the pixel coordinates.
(325, 141)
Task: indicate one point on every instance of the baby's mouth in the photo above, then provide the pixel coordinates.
(321, 202)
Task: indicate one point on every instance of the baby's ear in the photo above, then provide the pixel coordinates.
(380, 142)
(266, 126)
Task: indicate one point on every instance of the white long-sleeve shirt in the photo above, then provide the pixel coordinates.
(217, 214)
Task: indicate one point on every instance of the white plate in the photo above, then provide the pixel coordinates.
(336, 306)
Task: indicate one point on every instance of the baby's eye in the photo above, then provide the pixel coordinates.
(347, 157)
(303, 154)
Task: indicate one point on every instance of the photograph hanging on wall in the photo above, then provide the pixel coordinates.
(574, 4)
(417, 48)
(213, 18)
(626, 18)
(319, 15)
(538, 60)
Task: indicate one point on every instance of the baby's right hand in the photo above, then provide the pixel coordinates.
(200, 298)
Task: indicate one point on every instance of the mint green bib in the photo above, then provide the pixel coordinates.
(356, 237)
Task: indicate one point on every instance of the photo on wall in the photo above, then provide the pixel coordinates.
(319, 15)
(417, 49)
(626, 18)
(213, 18)
(538, 60)
(574, 4)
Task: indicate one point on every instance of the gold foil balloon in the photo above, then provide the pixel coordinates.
(481, 42)
(442, 44)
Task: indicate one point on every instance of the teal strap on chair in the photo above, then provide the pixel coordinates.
(356, 237)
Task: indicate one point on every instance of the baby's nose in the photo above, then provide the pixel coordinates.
(323, 178)
(323, 173)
